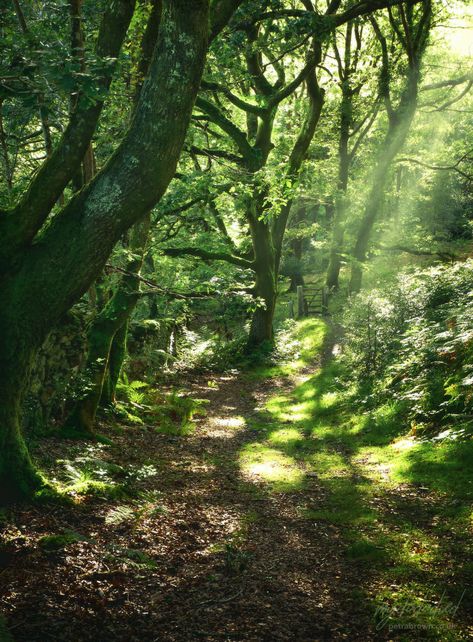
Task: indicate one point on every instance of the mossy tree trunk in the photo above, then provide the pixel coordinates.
(261, 329)
(110, 321)
(41, 280)
(116, 359)
(18, 476)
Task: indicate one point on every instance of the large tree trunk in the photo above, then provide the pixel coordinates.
(18, 477)
(49, 276)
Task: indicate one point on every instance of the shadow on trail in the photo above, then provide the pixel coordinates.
(394, 533)
(266, 524)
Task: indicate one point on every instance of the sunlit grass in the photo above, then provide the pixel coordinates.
(328, 464)
(415, 608)
(364, 458)
(298, 346)
(272, 466)
(346, 504)
(285, 436)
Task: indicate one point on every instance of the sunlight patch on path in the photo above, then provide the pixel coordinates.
(272, 466)
(225, 427)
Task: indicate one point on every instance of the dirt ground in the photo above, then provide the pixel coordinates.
(203, 552)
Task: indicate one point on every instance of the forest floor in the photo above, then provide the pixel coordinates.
(275, 519)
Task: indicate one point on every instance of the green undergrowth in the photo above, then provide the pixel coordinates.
(297, 344)
(170, 413)
(402, 504)
(55, 543)
(90, 473)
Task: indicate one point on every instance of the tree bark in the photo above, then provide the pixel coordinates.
(18, 476)
(102, 333)
(52, 273)
(115, 363)
(261, 329)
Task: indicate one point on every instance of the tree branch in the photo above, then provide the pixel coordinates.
(221, 12)
(20, 225)
(208, 256)
(238, 102)
(451, 82)
(453, 167)
(215, 153)
(75, 246)
(445, 256)
(226, 125)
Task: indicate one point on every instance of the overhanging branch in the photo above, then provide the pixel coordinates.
(208, 256)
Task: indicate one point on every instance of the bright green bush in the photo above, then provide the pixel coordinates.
(414, 343)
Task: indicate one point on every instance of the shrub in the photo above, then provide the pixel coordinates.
(414, 343)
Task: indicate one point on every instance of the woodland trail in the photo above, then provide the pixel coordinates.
(218, 543)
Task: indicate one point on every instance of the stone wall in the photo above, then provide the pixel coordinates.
(55, 374)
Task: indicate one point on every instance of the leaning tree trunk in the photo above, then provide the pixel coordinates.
(416, 32)
(42, 280)
(110, 320)
(115, 364)
(394, 142)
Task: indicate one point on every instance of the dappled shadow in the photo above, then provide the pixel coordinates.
(393, 513)
(268, 523)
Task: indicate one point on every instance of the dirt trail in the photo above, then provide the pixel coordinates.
(229, 560)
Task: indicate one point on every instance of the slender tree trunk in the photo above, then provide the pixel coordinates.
(110, 321)
(296, 247)
(336, 248)
(394, 141)
(261, 330)
(115, 364)
(344, 160)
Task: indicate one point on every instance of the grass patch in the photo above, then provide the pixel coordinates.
(297, 344)
(271, 466)
(366, 551)
(361, 455)
(417, 612)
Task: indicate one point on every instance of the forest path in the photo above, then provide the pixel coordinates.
(238, 531)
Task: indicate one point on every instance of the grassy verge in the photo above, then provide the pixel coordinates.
(403, 506)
